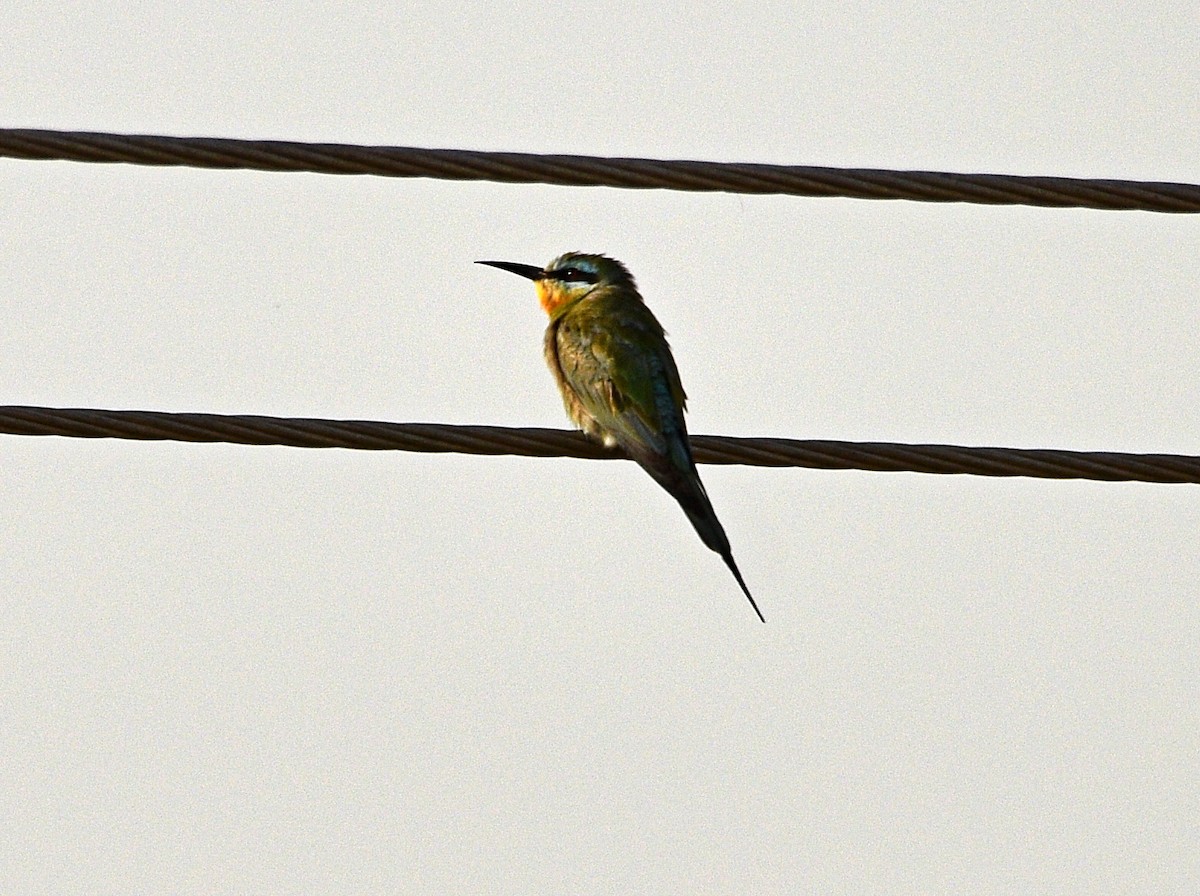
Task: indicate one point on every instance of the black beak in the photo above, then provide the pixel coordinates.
(528, 271)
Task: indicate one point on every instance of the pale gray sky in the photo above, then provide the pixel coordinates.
(246, 669)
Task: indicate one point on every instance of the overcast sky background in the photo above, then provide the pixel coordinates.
(253, 669)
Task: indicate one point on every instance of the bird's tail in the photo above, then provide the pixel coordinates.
(689, 491)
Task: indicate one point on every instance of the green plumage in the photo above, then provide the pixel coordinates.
(619, 383)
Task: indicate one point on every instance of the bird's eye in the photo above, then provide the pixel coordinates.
(575, 275)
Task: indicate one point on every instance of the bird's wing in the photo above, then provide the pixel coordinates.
(619, 366)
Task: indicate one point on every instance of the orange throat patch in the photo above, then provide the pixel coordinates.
(550, 295)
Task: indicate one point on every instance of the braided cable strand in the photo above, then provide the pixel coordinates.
(496, 440)
(571, 170)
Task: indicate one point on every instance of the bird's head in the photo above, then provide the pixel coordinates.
(570, 277)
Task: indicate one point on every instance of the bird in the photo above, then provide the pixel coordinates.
(619, 383)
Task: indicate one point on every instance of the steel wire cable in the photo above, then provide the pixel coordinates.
(573, 170)
(1042, 463)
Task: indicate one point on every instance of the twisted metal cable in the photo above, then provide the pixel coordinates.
(570, 170)
(496, 440)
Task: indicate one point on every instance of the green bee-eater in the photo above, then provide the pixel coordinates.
(618, 380)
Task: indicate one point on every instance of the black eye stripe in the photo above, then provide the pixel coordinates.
(574, 275)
